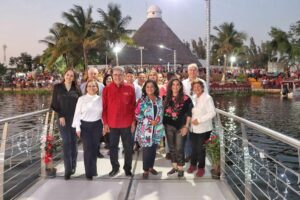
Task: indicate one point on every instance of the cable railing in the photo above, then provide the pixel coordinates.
(22, 153)
(251, 169)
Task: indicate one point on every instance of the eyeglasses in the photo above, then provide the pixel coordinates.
(93, 86)
(119, 75)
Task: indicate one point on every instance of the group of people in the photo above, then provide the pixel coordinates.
(147, 111)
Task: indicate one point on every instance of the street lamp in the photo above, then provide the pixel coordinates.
(174, 53)
(219, 61)
(116, 50)
(232, 60)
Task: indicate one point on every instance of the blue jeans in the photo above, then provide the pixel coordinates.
(68, 135)
(149, 154)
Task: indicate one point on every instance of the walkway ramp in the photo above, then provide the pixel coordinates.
(120, 187)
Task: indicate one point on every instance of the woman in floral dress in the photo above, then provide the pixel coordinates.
(177, 115)
(150, 130)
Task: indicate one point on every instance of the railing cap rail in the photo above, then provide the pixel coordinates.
(23, 115)
(273, 134)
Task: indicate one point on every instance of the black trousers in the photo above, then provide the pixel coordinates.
(198, 148)
(176, 145)
(68, 135)
(114, 138)
(149, 154)
(91, 132)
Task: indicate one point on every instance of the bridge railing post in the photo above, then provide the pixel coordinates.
(43, 143)
(247, 163)
(220, 132)
(2, 159)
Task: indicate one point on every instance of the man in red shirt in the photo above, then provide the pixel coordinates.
(119, 118)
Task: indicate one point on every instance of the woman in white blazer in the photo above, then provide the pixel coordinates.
(201, 126)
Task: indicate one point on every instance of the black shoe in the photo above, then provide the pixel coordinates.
(173, 171)
(113, 172)
(180, 173)
(128, 173)
(73, 171)
(90, 178)
(145, 175)
(99, 155)
(168, 156)
(136, 147)
(153, 171)
(67, 176)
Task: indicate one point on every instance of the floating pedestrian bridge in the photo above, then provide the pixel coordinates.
(249, 170)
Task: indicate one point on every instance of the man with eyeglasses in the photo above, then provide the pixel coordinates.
(119, 119)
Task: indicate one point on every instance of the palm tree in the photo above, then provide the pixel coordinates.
(281, 46)
(114, 25)
(81, 30)
(227, 41)
(57, 45)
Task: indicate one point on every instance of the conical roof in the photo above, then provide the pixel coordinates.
(150, 35)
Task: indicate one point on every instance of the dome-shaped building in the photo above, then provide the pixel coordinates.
(150, 35)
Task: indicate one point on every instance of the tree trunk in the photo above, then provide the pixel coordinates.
(85, 59)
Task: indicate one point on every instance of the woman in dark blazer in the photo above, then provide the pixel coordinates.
(64, 99)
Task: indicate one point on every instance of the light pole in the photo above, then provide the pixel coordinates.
(207, 42)
(174, 54)
(4, 53)
(224, 69)
(117, 50)
(141, 51)
(219, 61)
(106, 59)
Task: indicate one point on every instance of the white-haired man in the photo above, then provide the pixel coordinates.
(92, 75)
(187, 85)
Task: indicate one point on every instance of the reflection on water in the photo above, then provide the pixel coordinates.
(282, 115)
(11, 105)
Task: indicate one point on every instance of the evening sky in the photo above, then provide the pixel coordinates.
(24, 22)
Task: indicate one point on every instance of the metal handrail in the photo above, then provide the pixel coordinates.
(239, 147)
(274, 134)
(33, 146)
(24, 115)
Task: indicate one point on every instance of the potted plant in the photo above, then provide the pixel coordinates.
(213, 153)
(49, 147)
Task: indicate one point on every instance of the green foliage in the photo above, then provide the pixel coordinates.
(228, 41)
(213, 149)
(241, 78)
(23, 62)
(198, 48)
(2, 69)
(81, 40)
